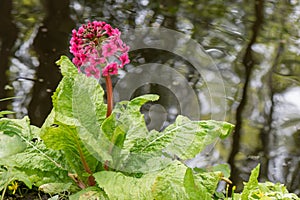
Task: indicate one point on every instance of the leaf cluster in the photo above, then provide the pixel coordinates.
(265, 191)
(80, 150)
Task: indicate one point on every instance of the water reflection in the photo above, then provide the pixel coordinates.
(8, 36)
(284, 153)
(36, 34)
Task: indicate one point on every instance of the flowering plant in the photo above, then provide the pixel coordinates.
(90, 155)
(97, 45)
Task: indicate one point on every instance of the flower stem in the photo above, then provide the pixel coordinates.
(110, 101)
(109, 94)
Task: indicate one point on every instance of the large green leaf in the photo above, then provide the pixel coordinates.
(186, 138)
(166, 184)
(34, 163)
(124, 127)
(90, 111)
(65, 137)
(78, 99)
(182, 140)
(33, 153)
(32, 168)
(119, 186)
(74, 123)
(176, 181)
(130, 119)
(62, 102)
(78, 106)
(136, 128)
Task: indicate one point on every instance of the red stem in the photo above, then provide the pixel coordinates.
(109, 94)
(110, 104)
(91, 179)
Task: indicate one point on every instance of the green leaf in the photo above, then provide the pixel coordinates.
(267, 190)
(207, 183)
(15, 135)
(119, 186)
(182, 140)
(127, 122)
(10, 145)
(62, 102)
(136, 150)
(7, 176)
(78, 103)
(136, 103)
(223, 168)
(65, 137)
(132, 120)
(90, 111)
(165, 184)
(176, 181)
(274, 190)
(34, 154)
(82, 92)
(88, 103)
(185, 138)
(66, 66)
(74, 123)
(54, 188)
(33, 164)
(252, 184)
(18, 127)
(33, 159)
(202, 185)
(5, 112)
(90, 193)
(190, 185)
(169, 183)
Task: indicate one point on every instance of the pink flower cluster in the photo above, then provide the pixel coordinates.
(95, 46)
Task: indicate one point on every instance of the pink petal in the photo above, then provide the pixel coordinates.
(110, 69)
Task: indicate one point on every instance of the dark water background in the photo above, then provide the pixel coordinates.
(255, 45)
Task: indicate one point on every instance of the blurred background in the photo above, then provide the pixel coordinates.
(254, 44)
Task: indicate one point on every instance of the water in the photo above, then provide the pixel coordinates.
(254, 47)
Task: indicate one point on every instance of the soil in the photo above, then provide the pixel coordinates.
(26, 194)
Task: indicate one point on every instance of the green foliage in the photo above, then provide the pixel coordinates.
(78, 126)
(90, 193)
(5, 112)
(176, 181)
(265, 191)
(25, 158)
(115, 157)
